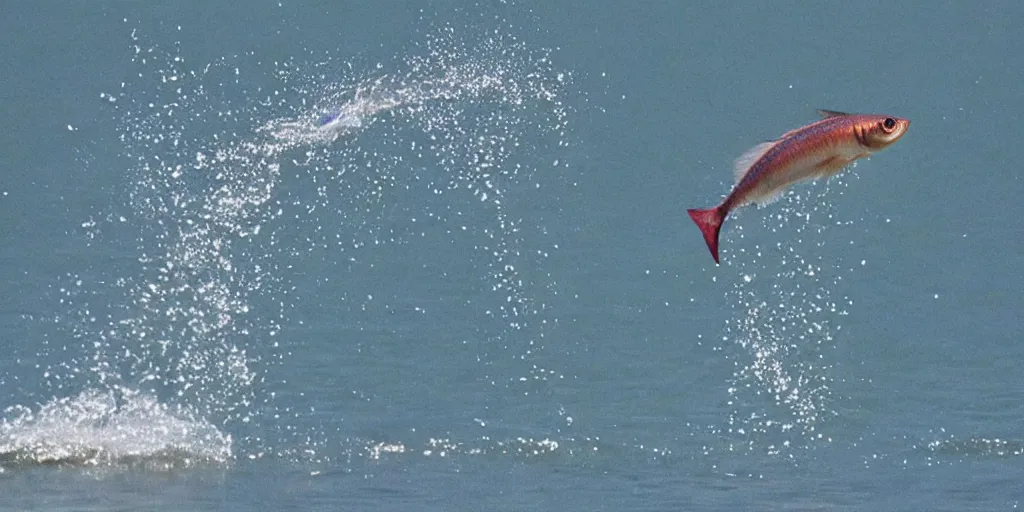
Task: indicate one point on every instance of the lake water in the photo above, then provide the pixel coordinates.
(478, 288)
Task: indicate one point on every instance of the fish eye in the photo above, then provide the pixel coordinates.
(889, 124)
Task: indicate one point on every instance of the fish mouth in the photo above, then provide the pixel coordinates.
(902, 125)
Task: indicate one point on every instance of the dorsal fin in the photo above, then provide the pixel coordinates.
(831, 113)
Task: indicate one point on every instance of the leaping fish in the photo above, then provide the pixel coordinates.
(339, 121)
(818, 150)
(351, 115)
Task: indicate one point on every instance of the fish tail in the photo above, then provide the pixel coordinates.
(710, 223)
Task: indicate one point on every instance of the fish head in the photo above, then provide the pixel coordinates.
(882, 131)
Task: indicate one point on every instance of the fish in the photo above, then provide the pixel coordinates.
(339, 121)
(818, 150)
(353, 114)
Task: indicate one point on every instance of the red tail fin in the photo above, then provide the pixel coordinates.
(710, 223)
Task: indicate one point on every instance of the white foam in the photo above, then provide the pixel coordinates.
(108, 428)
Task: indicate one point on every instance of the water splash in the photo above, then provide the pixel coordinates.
(231, 184)
(786, 320)
(117, 427)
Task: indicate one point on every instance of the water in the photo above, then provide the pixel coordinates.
(475, 286)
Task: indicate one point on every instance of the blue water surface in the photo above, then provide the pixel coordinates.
(484, 293)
